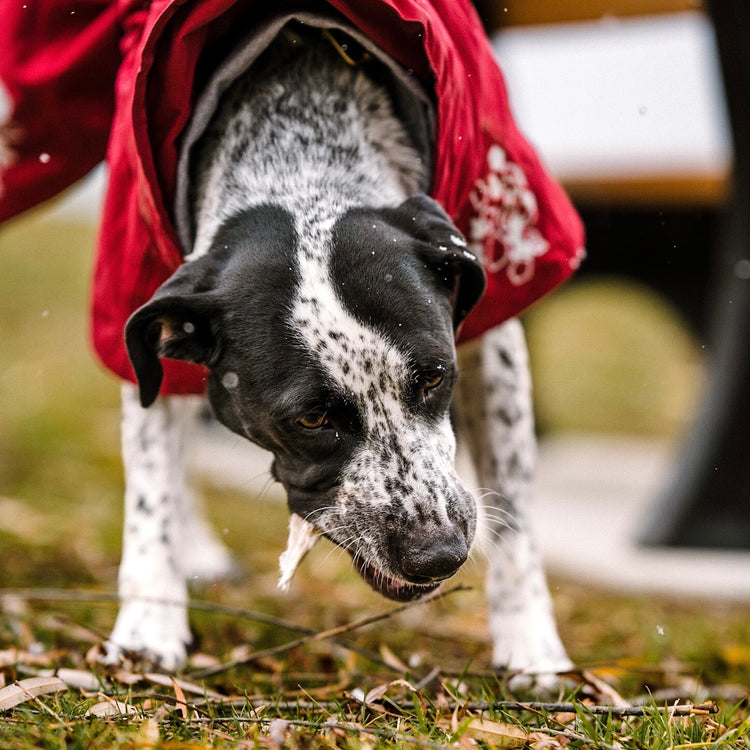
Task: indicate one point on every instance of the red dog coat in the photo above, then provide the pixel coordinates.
(85, 77)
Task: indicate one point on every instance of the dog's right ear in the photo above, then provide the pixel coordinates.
(177, 323)
(446, 252)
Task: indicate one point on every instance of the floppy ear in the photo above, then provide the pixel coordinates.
(177, 323)
(445, 250)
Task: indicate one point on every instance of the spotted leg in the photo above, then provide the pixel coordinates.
(495, 419)
(164, 540)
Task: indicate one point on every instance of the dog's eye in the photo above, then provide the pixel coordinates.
(313, 421)
(432, 382)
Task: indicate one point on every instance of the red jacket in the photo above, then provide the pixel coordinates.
(89, 78)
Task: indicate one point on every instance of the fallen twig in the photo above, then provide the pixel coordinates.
(100, 597)
(323, 635)
(688, 709)
(97, 597)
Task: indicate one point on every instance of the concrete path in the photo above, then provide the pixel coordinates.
(593, 496)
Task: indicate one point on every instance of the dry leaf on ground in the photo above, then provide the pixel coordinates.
(26, 690)
(494, 733)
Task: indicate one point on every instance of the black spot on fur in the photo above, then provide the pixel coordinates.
(506, 359)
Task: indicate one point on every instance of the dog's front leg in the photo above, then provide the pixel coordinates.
(495, 419)
(152, 621)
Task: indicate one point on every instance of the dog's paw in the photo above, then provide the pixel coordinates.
(148, 636)
(112, 654)
(535, 666)
(528, 649)
(541, 682)
(532, 664)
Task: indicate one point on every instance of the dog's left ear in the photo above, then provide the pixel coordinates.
(445, 250)
(177, 323)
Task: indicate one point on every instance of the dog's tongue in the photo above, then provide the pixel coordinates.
(302, 538)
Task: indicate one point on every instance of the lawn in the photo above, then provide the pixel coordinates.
(272, 669)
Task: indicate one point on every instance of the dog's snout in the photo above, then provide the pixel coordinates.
(433, 558)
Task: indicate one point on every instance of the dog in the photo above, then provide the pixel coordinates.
(323, 291)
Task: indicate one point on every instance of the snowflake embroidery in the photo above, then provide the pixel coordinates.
(505, 216)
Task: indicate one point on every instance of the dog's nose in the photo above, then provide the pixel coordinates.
(434, 558)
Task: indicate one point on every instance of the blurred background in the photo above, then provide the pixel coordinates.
(626, 104)
(638, 107)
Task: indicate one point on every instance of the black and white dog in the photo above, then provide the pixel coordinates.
(323, 291)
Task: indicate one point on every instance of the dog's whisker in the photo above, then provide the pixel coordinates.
(346, 545)
(266, 488)
(310, 516)
(499, 514)
(336, 552)
(477, 560)
(480, 497)
(499, 530)
(500, 502)
(491, 546)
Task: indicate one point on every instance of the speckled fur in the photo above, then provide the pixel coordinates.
(395, 500)
(305, 167)
(495, 419)
(404, 467)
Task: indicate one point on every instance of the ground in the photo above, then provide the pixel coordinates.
(424, 671)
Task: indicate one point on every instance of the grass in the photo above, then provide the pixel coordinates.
(426, 668)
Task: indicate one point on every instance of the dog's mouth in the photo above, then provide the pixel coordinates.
(392, 588)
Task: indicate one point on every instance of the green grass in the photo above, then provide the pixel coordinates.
(60, 516)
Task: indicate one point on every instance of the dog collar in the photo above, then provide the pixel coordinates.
(344, 48)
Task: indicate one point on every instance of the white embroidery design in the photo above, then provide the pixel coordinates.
(505, 214)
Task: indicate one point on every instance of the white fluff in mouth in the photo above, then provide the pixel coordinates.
(302, 538)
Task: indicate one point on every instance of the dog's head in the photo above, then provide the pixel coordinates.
(334, 349)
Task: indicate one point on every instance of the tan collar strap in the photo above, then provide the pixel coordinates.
(347, 48)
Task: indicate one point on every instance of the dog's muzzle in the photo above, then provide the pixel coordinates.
(422, 562)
